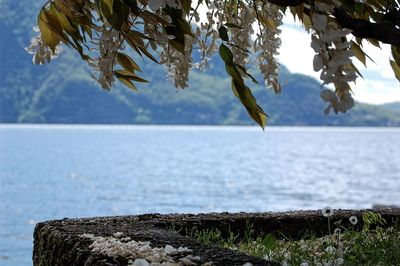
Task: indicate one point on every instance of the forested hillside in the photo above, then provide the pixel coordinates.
(63, 91)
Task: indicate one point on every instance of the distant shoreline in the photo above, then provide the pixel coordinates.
(188, 126)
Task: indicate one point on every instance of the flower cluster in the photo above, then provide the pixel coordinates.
(267, 44)
(207, 34)
(241, 36)
(175, 31)
(338, 104)
(205, 38)
(327, 212)
(333, 52)
(42, 54)
(178, 65)
(106, 45)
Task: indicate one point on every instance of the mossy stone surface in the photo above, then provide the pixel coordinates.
(59, 242)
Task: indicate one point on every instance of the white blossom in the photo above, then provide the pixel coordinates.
(267, 44)
(318, 62)
(241, 37)
(327, 212)
(178, 65)
(337, 231)
(333, 59)
(330, 249)
(107, 46)
(353, 220)
(42, 54)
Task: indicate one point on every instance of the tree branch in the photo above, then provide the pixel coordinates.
(384, 31)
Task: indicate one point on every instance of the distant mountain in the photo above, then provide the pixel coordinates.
(393, 107)
(63, 91)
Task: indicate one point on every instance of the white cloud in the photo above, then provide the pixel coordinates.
(379, 86)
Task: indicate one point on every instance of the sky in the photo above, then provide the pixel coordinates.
(379, 84)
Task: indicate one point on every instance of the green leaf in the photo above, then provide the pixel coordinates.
(127, 82)
(238, 47)
(233, 72)
(186, 4)
(249, 101)
(119, 15)
(127, 62)
(106, 8)
(356, 70)
(152, 18)
(132, 5)
(149, 55)
(268, 22)
(269, 242)
(49, 36)
(396, 69)
(358, 52)
(109, 4)
(359, 8)
(64, 21)
(374, 43)
(244, 70)
(128, 75)
(184, 26)
(396, 54)
(223, 33)
(226, 54)
(179, 41)
(232, 25)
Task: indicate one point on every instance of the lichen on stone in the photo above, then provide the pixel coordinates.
(140, 253)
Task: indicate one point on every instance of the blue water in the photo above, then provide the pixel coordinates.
(52, 172)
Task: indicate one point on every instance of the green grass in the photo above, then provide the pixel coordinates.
(373, 245)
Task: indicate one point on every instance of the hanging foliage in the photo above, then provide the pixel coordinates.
(108, 33)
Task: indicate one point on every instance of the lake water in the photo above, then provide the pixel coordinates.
(52, 172)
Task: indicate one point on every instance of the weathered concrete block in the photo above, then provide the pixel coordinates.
(120, 240)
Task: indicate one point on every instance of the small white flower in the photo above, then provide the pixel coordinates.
(330, 249)
(318, 64)
(328, 95)
(107, 45)
(304, 264)
(42, 54)
(327, 212)
(337, 231)
(353, 220)
(339, 261)
(316, 43)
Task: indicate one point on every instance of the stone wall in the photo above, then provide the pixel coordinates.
(123, 240)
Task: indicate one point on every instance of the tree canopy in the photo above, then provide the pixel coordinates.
(108, 33)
